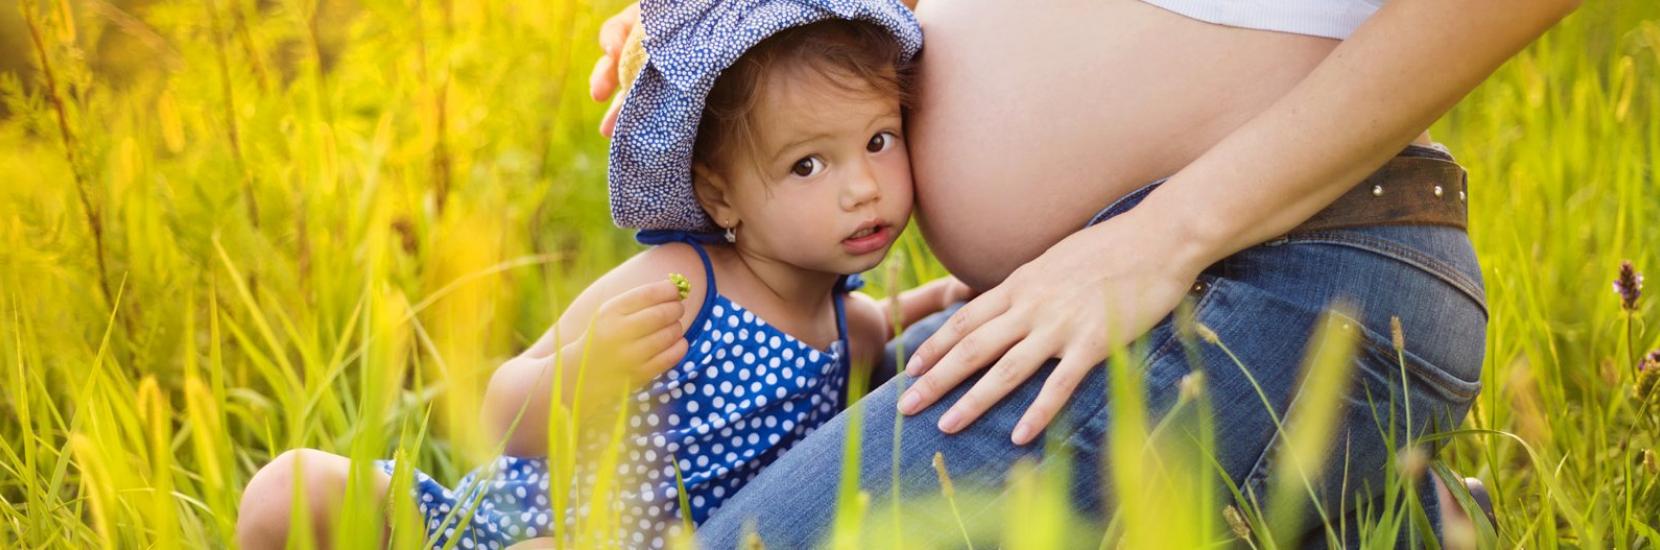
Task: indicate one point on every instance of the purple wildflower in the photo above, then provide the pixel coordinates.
(1629, 286)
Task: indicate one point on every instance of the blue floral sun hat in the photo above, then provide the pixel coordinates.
(688, 43)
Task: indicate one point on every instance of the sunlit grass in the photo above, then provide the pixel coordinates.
(323, 224)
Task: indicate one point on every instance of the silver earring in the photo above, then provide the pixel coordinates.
(731, 235)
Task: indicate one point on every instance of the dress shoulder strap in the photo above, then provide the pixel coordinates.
(838, 297)
(696, 241)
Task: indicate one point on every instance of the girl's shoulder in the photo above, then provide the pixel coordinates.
(659, 261)
(651, 265)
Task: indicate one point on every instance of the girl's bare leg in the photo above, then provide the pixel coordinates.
(263, 519)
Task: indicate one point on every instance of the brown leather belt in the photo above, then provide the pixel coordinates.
(1418, 187)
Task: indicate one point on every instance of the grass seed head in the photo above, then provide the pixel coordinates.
(1648, 376)
(1412, 462)
(1192, 385)
(1236, 522)
(1206, 334)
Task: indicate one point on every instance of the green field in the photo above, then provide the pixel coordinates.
(233, 227)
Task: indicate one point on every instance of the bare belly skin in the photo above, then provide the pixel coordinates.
(1032, 117)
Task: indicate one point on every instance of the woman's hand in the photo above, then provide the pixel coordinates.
(1092, 292)
(1102, 287)
(613, 34)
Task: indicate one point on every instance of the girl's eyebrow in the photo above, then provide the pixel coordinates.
(884, 118)
(797, 143)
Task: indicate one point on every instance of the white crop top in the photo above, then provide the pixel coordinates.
(1327, 18)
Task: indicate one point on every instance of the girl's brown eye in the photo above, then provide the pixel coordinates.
(807, 167)
(878, 142)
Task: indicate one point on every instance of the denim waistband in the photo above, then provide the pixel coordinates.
(1133, 198)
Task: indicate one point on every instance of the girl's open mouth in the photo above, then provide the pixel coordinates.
(869, 239)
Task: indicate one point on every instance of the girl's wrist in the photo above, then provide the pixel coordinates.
(939, 295)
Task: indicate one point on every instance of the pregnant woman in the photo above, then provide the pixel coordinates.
(1088, 164)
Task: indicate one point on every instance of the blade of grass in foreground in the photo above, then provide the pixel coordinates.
(1311, 420)
(850, 500)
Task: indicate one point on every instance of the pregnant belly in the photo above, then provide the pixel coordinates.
(1031, 117)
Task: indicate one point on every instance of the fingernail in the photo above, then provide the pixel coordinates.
(1022, 433)
(950, 422)
(910, 366)
(909, 402)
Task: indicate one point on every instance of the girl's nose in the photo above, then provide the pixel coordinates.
(862, 188)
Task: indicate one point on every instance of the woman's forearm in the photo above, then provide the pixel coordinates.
(1398, 73)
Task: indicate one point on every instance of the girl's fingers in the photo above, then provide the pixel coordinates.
(1057, 390)
(654, 318)
(650, 345)
(642, 297)
(1008, 372)
(664, 360)
(965, 321)
(970, 355)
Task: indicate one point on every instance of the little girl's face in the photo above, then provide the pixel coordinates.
(828, 185)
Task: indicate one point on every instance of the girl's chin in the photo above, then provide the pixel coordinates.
(868, 262)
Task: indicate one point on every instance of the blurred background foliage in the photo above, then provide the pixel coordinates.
(233, 227)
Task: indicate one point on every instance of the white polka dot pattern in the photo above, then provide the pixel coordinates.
(721, 415)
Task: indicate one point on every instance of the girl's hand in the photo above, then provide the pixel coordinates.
(1095, 290)
(951, 291)
(635, 335)
(906, 308)
(613, 34)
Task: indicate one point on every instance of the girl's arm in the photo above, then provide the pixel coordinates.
(1405, 67)
(922, 301)
(628, 326)
(870, 322)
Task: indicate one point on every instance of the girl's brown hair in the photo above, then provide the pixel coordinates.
(855, 56)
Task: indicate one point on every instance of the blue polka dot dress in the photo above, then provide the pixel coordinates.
(744, 393)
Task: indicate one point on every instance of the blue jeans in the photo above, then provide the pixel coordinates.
(1263, 303)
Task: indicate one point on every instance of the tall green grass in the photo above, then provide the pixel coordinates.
(230, 228)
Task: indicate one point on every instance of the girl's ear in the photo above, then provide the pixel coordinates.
(714, 194)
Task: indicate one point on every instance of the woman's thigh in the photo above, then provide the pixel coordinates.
(1263, 304)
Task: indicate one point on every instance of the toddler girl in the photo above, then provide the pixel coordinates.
(760, 151)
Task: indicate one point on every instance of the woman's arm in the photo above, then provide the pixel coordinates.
(1409, 64)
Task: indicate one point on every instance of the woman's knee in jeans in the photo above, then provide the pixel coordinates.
(264, 516)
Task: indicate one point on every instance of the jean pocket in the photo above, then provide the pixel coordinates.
(1382, 367)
